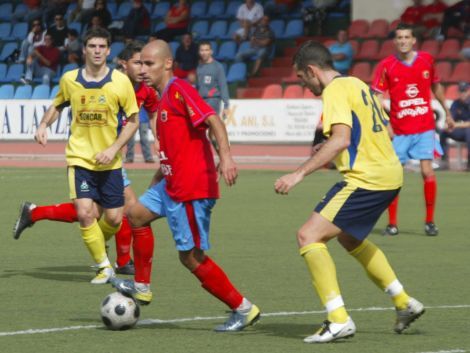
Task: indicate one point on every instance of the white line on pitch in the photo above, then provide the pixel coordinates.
(206, 318)
(447, 351)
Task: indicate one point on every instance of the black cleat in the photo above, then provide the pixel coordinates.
(24, 220)
(127, 269)
(431, 229)
(391, 230)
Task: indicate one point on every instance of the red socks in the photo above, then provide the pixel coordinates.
(63, 212)
(143, 253)
(392, 212)
(430, 190)
(123, 242)
(215, 281)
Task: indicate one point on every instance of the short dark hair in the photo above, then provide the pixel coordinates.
(405, 26)
(130, 49)
(313, 53)
(73, 32)
(205, 42)
(97, 33)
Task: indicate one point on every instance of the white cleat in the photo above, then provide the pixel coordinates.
(103, 275)
(405, 317)
(330, 331)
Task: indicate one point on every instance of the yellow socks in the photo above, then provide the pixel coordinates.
(94, 241)
(323, 272)
(108, 230)
(380, 272)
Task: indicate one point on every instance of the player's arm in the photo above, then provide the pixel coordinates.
(338, 141)
(438, 91)
(153, 127)
(107, 156)
(51, 115)
(227, 166)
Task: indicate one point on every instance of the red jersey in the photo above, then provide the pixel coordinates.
(412, 15)
(186, 158)
(410, 92)
(146, 96)
(177, 11)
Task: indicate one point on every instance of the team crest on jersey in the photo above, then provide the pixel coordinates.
(164, 116)
(426, 74)
(83, 99)
(411, 90)
(102, 99)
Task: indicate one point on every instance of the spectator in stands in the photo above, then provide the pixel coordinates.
(42, 62)
(457, 16)
(34, 39)
(460, 110)
(186, 58)
(249, 15)
(211, 82)
(280, 7)
(413, 16)
(52, 8)
(95, 22)
(144, 140)
(176, 20)
(342, 53)
(83, 12)
(34, 11)
(101, 10)
(432, 17)
(260, 45)
(138, 22)
(73, 47)
(58, 31)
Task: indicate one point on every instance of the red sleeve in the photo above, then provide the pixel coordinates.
(380, 81)
(151, 100)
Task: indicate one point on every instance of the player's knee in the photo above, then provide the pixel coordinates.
(85, 215)
(303, 237)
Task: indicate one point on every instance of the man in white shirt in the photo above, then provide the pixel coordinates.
(249, 15)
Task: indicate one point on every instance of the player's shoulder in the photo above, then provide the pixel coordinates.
(425, 56)
(389, 60)
(182, 86)
(119, 76)
(70, 75)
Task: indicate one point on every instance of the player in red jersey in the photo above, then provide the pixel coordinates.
(185, 187)
(129, 60)
(409, 76)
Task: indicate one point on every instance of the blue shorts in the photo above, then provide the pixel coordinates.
(104, 187)
(125, 179)
(417, 146)
(355, 210)
(189, 221)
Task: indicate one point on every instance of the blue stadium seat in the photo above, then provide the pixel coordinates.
(5, 29)
(159, 26)
(7, 91)
(3, 72)
(294, 28)
(217, 30)
(278, 27)
(15, 72)
(214, 46)
(236, 73)
(148, 6)
(200, 28)
(123, 10)
(77, 26)
(232, 9)
(20, 10)
(243, 46)
(6, 12)
(19, 31)
(112, 8)
(198, 9)
(54, 91)
(41, 92)
(23, 92)
(7, 49)
(173, 46)
(69, 67)
(216, 9)
(116, 49)
(227, 51)
(160, 10)
(234, 25)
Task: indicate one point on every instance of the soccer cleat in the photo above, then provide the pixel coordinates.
(391, 230)
(103, 275)
(431, 229)
(238, 320)
(330, 331)
(127, 269)
(24, 220)
(141, 292)
(405, 317)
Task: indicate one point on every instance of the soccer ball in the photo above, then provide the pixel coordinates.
(119, 312)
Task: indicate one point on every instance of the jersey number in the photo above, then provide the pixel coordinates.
(376, 111)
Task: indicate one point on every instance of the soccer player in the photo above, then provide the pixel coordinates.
(184, 188)
(358, 142)
(129, 60)
(96, 94)
(410, 76)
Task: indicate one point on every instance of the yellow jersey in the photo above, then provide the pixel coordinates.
(96, 109)
(370, 161)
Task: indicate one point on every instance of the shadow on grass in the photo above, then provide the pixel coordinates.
(59, 273)
(379, 231)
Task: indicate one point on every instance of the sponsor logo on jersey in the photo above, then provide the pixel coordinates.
(92, 118)
(102, 99)
(84, 186)
(83, 99)
(411, 90)
(426, 74)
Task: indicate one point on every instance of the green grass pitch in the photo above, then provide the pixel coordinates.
(44, 275)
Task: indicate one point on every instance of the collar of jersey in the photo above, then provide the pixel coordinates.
(93, 84)
(168, 84)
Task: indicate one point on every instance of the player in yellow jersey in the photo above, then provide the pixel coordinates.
(98, 96)
(358, 143)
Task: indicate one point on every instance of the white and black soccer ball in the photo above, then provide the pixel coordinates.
(119, 312)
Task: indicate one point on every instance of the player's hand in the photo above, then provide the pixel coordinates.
(105, 157)
(285, 183)
(228, 169)
(41, 135)
(156, 146)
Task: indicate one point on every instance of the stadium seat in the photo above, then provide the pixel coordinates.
(276, 71)
(454, 32)
(273, 91)
(227, 51)
(355, 45)
(278, 27)
(19, 31)
(461, 72)
(15, 72)
(232, 28)
(200, 28)
(75, 25)
(54, 91)
(6, 12)
(263, 81)
(293, 92)
(394, 24)
(444, 70)
(116, 49)
(430, 46)
(3, 72)
(160, 25)
(7, 91)
(160, 10)
(173, 46)
(378, 29)
(216, 9)
(217, 30)
(368, 51)
(7, 49)
(243, 47)
(294, 29)
(452, 92)
(466, 44)
(236, 72)
(198, 9)
(282, 61)
(232, 9)
(69, 67)
(308, 94)
(249, 93)
(5, 30)
(290, 77)
(41, 92)
(112, 8)
(362, 71)
(123, 10)
(358, 29)
(450, 49)
(20, 10)
(387, 49)
(23, 92)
